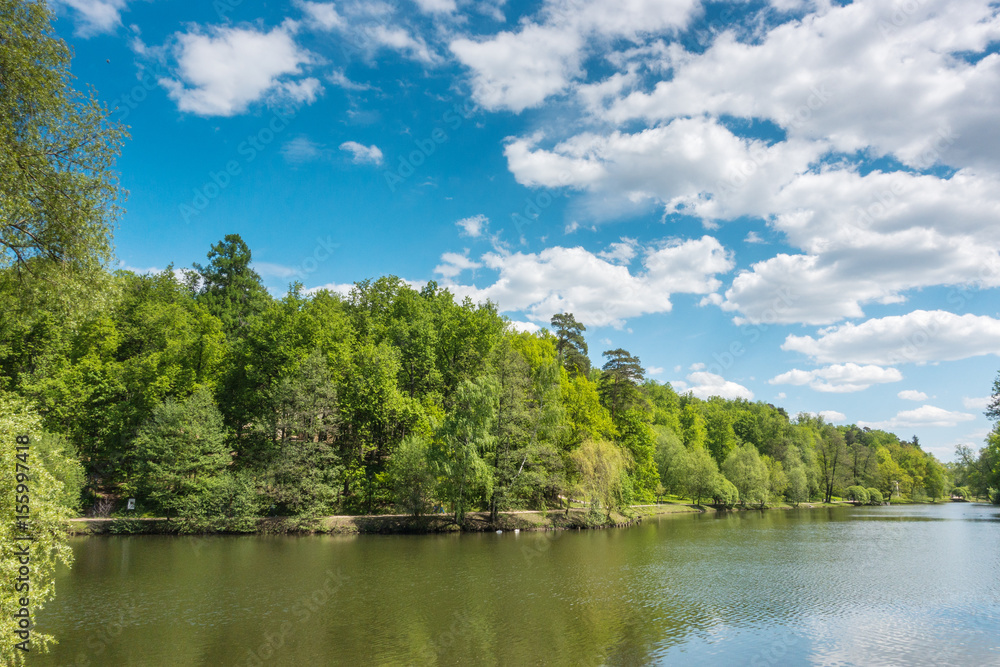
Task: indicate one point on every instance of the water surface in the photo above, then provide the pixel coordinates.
(915, 585)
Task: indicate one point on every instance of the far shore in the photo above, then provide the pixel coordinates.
(578, 518)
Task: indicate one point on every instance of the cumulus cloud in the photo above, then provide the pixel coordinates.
(361, 154)
(913, 395)
(704, 385)
(94, 17)
(453, 264)
(825, 80)
(925, 415)
(977, 403)
(526, 327)
(367, 27)
(830, 416)
(839, 378)
(221, 71)
(597, 290)
(473, 226)
(518, 70)
(917, 337)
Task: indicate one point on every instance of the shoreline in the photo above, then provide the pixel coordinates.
(400, 524)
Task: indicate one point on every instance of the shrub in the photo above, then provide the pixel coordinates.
(875, 497)
(857, 494)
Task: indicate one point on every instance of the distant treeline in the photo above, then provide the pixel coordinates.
(200, 395)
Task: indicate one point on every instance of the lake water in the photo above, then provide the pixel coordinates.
(906, 585)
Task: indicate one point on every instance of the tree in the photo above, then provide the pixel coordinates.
(602, 470)
(748, 473)
(672, 459)
(830, 455)
(230, 289)
(466, 436)
(46, 527)
(305, 472)
(857, 494)
(411, 476)
(183, 452)
(570, 344)
(622, 375)
(59, 195)
(701, 478)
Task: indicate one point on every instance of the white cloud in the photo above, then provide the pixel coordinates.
(832, 416)
(301, 149)
(343, 289)
(704, 385)
(832, 75)
(782, 395)
(917, 337)
(453, 264)
(518, 70)
(473, 226)
(322, 15)
(361, 154)
(654, 370)
(925, 415)
(753, 237)
(224, 70)
(95, 16)
(913, 395)
(977, 403)
(826, 79)
(436, 6)
(839, 378)
(367, 26)
(599, 292)
(526, 327)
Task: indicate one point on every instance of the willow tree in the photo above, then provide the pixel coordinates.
(58, 194)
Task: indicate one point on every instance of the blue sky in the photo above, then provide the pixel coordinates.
(791, 201)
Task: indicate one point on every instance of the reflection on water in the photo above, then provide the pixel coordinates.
(883, 585)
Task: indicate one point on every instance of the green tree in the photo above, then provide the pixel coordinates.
(857, 494)
(620, 380)
(748, 473)
(570, 344)
(230, 289)
(831, 453)
(411, 475)
(702, 475)
(602, 468)
(305, 473)
(59, 194)
(183, 453)
(671, 459)
(467, 435)
(47, 527)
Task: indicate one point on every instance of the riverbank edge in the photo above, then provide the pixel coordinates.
(396, 524)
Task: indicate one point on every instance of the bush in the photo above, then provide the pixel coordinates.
(857, 494)
(725, 492)
(875, 497)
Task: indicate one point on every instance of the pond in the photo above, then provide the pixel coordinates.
(915, 585)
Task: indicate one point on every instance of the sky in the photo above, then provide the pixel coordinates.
(790, 201)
